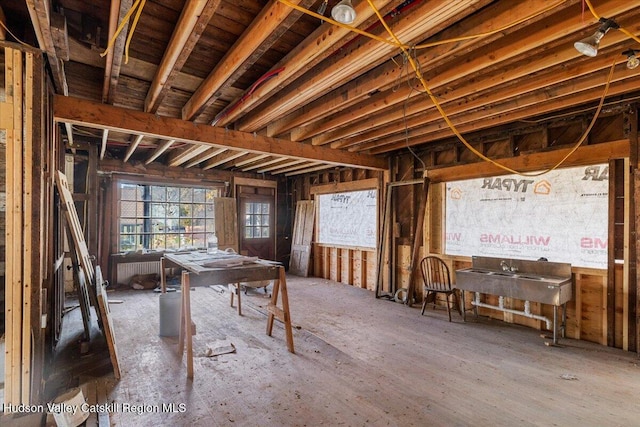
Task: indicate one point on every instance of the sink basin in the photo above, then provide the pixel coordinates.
(526, 276)
(526, 286)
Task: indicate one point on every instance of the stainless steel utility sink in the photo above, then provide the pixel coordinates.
(537, 281)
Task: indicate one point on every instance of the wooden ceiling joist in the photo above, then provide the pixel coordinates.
(308, 170)
(159, 151)
(274, 17)
(315, 45)
(115, 55)
(101, 116)
(410, 29)
(387, 75)
(251, 159)
(191, 24)
(222, 159)
(258, 165)
(211, 152)
(132, 147)
(192, 150)
(283, 165)
(362, 118)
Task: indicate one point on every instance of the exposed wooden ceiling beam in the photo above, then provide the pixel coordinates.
(41, 19)
(103, 145)
(439, 73)
(180, 157)
(286, 163)
(101, 116)
(532, 162)
(362, 118)
(305, 165)
(315, 45)
(132, 148)
(388, 74)
(412, 28)
(464, 99)
(223, 158)
(308, 170)
(113, 65)
(192, 22)
(542, 106)
(251, 159)
(211, 152)
(158, 152)
(271, 22)
(258, 165)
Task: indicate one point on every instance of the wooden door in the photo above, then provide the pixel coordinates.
(226, 222)
(257, 221)
(302, 236)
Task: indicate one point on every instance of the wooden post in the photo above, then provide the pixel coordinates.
(416, 243)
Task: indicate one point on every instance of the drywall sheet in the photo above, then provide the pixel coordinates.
(561, 215)
(348, 219)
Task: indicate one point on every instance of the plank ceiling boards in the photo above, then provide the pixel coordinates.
(269, 69)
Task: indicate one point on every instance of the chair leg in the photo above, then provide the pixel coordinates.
(424, 303)
(448, 308)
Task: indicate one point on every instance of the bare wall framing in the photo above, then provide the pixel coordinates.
(26, 122)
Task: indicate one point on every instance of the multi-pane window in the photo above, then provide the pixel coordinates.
(158, 217)
(256, 220)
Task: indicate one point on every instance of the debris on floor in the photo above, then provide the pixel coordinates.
(217, 350)
(568, 377)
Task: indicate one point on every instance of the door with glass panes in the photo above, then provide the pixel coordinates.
(257, 221)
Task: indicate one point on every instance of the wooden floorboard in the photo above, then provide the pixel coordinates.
(361, 362)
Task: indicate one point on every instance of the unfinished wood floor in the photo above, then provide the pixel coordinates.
(363, 362)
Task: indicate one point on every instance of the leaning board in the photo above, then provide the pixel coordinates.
(105, 314)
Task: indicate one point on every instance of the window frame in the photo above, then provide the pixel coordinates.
(144, 236)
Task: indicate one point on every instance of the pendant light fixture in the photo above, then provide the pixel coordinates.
(632, 59)
(589, 45)
(344, 12)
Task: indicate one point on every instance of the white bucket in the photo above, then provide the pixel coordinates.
(68, 408)
(170, 314)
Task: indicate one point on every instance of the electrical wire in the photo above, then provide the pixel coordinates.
(137, 7)
(446, 118)
(415, 65)
(598, 17)
(397, 42)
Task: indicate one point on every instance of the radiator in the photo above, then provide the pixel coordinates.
(125, 271)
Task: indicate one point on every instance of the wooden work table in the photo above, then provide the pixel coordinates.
(220, 269)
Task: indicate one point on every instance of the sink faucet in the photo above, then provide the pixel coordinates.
(504, 265)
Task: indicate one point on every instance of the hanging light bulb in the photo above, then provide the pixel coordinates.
(344, 12)
(632, 59)
(589, 45)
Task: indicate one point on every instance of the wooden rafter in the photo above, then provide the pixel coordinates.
(180, 157)
(223, 158)
(211, 152)
(191, 24)
(161, 149)
(319, 42)
(286, 163)
(412, 28)
(113, 66)
(270, 23)
(101, 116)
(132, 147)
(387, 104)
